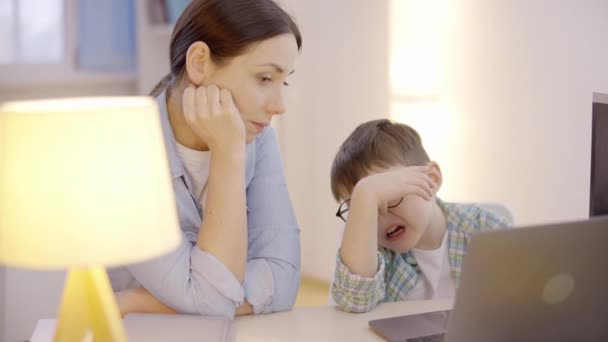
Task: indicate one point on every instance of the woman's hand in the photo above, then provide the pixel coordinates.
(125, 302)
(244, 309)
(213, 116)
(138, 299)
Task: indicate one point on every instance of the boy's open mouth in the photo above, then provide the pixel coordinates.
(395, 232)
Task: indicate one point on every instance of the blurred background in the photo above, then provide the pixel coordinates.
(500, 91)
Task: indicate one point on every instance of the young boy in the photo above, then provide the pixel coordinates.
(401, 242)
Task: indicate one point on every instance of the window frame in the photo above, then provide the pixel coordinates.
(65, 72)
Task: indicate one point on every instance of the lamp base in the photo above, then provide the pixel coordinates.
(89, 306)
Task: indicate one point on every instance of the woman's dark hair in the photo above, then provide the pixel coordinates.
(228, 27)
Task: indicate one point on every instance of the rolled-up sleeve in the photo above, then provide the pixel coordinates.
(355, 293)
(259, 285)
(273, 268)
(191, 281)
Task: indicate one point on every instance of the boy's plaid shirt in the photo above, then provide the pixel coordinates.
(398, 273)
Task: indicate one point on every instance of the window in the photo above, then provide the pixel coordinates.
(418, 50)
(66, 42)
(32, 31)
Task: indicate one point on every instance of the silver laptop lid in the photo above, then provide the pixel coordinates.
(543, 283)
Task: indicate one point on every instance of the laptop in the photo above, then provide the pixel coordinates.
(542, 283)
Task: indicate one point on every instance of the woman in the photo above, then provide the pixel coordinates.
(240, 252)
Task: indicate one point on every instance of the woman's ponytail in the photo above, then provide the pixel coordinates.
(164, 83)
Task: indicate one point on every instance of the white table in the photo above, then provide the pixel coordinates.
(301, 324)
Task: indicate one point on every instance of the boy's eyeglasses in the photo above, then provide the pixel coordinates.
(345, 206)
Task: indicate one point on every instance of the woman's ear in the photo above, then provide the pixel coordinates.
(434, 172)
(198, 62)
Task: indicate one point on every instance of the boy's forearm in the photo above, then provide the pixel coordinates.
(360, 242)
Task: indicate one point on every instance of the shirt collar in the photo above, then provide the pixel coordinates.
(177, 169)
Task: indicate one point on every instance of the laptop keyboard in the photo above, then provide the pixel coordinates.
(429, 338)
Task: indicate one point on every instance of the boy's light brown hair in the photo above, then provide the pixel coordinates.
(374, 144)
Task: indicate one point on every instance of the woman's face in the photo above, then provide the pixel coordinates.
(258, 80)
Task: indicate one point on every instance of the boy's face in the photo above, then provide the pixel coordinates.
(402, 226)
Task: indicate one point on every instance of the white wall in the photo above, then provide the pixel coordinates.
(152, 50)
(340, 81)
(30, 296)
(519, 82)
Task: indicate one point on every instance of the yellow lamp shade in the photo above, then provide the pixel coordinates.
(83, 182)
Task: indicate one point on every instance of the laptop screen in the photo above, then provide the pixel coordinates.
(599, 156)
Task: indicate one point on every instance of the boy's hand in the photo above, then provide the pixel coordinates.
(213, 116)
(387, 188)
(373, 194)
